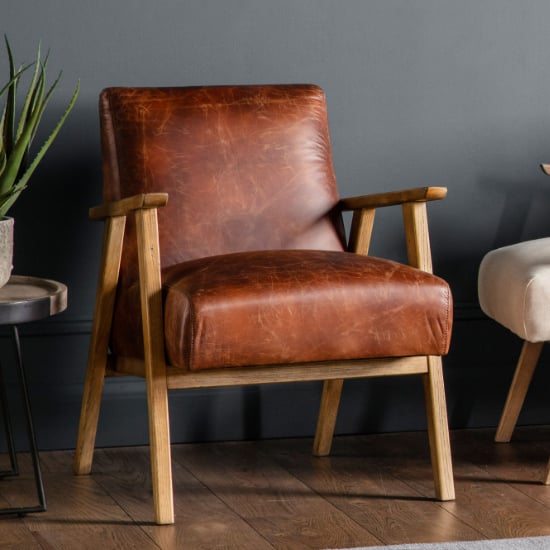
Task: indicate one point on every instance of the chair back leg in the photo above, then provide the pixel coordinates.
(99, 343)
(546, 479)
(89, 416)
(328, 412)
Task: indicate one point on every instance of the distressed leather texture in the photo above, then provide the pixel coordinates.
(254, 266)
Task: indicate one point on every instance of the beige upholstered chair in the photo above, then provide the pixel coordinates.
(514, 290)
(225, 263)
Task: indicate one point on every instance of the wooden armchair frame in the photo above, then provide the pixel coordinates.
(161, 377)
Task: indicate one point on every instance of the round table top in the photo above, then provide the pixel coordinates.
(24, 299)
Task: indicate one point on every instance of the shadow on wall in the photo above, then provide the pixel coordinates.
(507, 211)
(53, 235)
(525, 211)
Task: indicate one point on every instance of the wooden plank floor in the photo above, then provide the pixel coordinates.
(372, 490)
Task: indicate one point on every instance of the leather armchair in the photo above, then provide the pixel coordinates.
(225, 262)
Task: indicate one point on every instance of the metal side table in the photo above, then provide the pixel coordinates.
(25, 299)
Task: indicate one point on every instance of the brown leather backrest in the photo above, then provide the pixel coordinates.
(245, 167)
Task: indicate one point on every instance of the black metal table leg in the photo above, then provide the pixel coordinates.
(22, 300)
(8, 430)
(30, 434)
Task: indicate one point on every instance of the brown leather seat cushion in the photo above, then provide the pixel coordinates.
(290, 306)
(250, 169)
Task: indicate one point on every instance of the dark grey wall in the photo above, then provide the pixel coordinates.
(423, 92)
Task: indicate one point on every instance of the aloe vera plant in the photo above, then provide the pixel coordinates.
(18, 126)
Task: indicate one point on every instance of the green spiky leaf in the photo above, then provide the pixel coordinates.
(17, 131)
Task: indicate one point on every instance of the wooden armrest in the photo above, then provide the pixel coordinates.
(413, 204)
(123, 207)
(545, 168)
(421, 194)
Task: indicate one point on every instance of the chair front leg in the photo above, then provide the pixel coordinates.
(530, 354)
(155, 367)
(438, 429)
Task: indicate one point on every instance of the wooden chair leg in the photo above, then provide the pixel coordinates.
(99, 343)
(159, 441)
(89, 416)
(328, 411)
(546, 479)
(530, 354)
(438, 430)
(155, 367)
